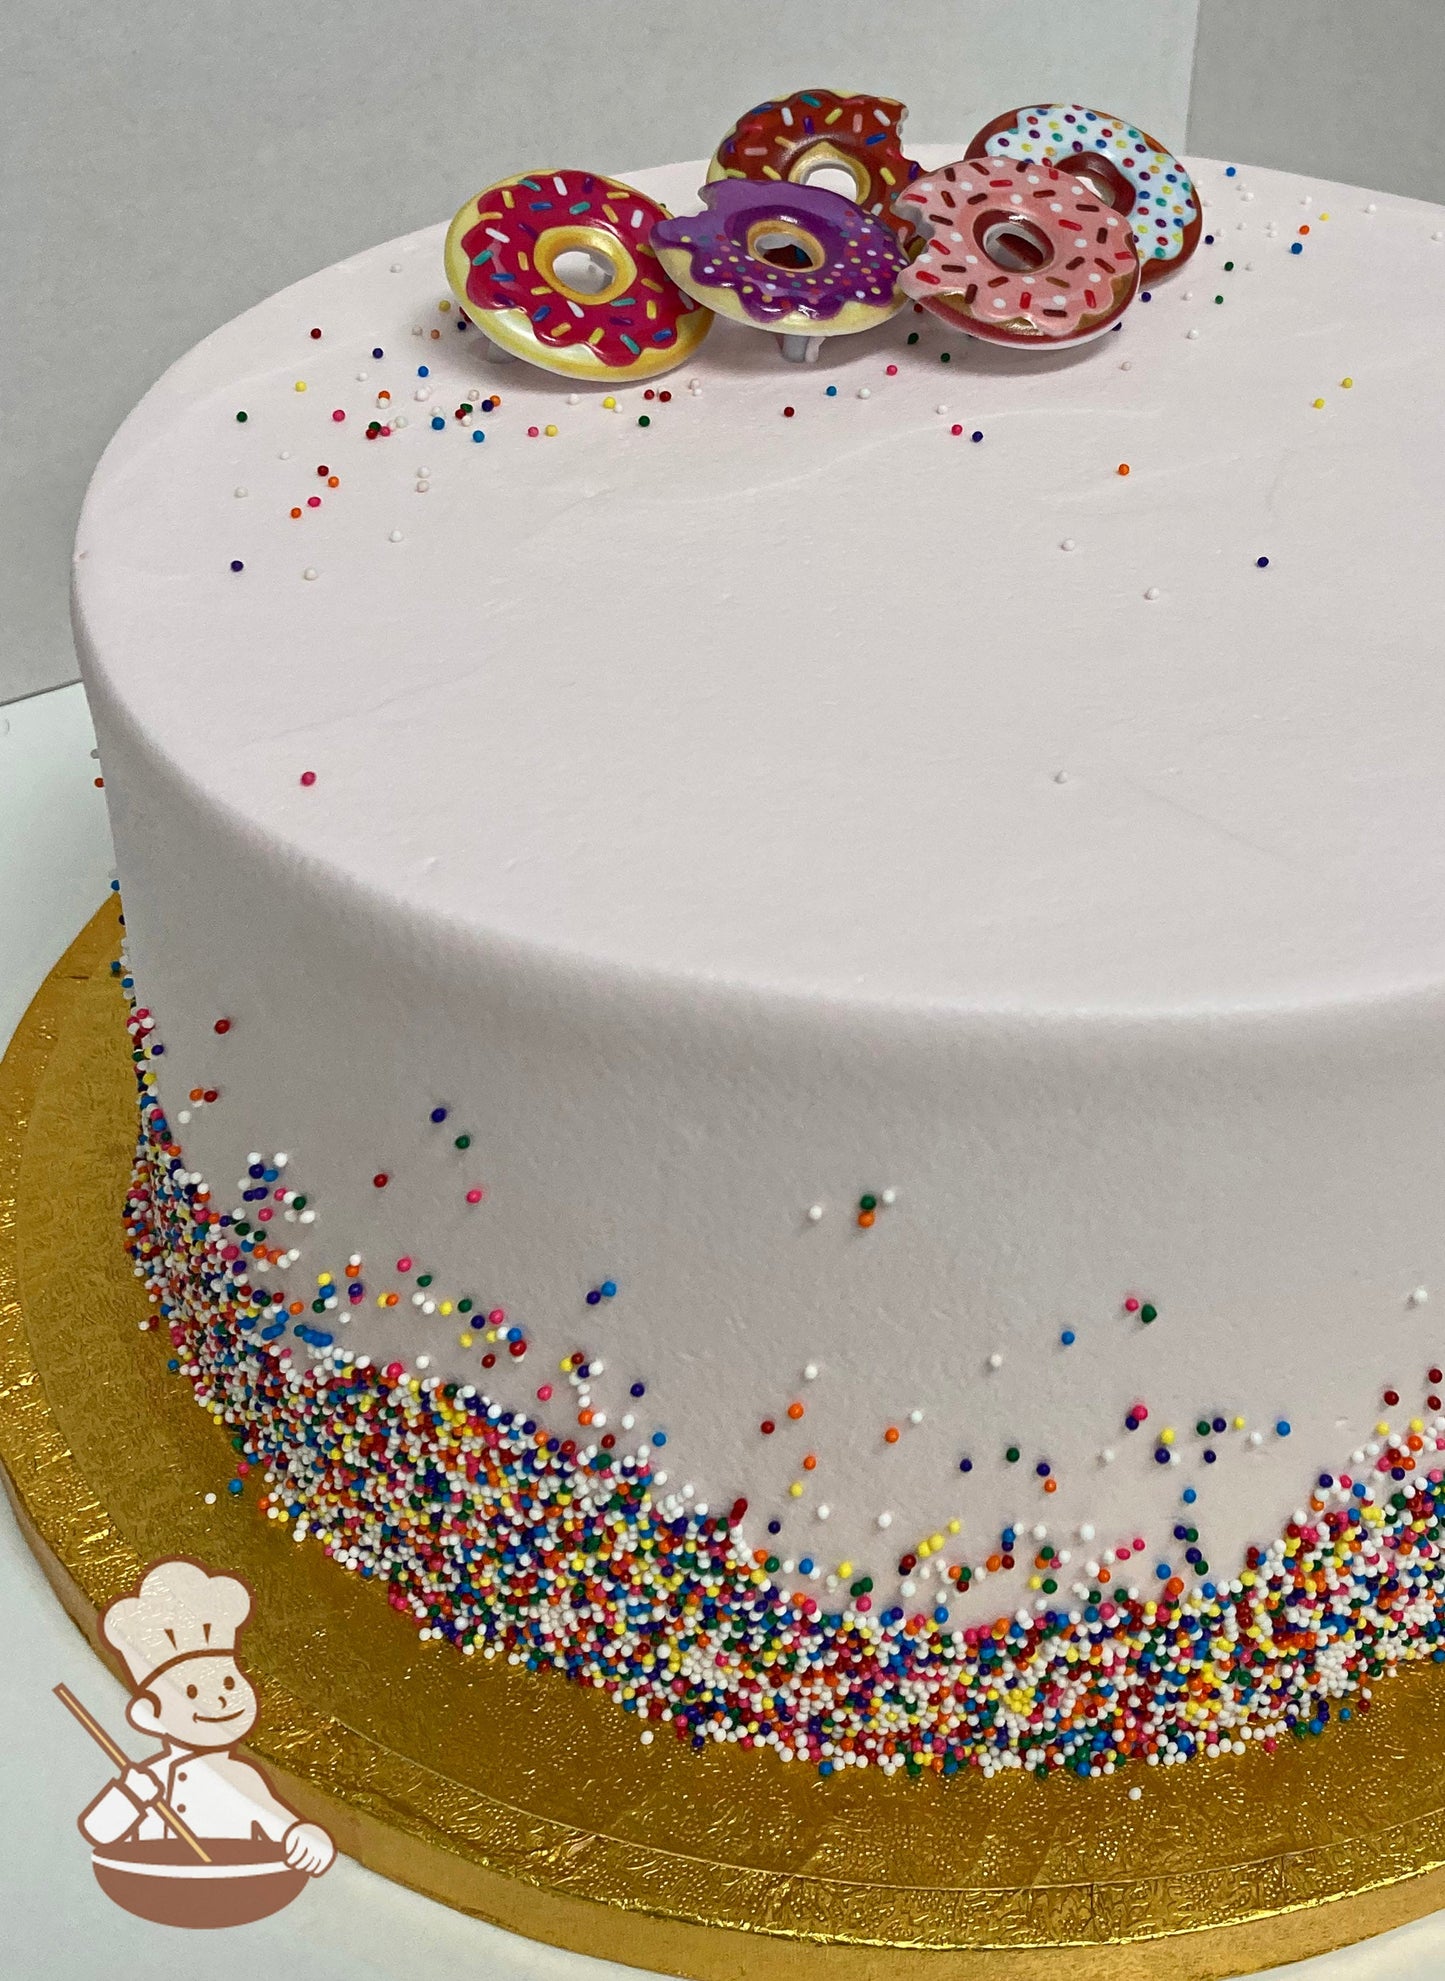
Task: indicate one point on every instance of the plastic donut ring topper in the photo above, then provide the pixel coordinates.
(1019, 253)
(816, 132)
(806, 263)
(558, 268)
(1131, 170)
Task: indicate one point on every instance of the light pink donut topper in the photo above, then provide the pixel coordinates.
(1019, 252)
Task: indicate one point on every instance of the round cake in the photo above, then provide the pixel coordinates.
(861, 1169)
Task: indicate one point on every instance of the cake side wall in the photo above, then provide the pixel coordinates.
(1270, 1186)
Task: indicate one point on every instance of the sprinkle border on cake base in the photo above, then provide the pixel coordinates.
(504, 1539)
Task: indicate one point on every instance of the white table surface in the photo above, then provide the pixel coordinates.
(55, 865)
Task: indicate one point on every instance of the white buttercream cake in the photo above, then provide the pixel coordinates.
(804, 1011)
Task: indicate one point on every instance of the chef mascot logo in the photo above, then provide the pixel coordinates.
(192, 1835)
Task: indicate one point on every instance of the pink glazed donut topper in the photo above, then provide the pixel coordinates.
(798, 260)
(1019, 252)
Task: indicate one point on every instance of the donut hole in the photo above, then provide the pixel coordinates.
(831, 171)
(1102, 176)
(784, 245)
(586, 265)
(1009, 241)
(829, 177)
(585, 271)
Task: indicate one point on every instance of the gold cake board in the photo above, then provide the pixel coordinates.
(529, 1801)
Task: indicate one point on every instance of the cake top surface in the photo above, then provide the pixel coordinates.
(905, 696)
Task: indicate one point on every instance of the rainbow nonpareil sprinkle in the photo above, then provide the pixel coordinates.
(494, 1533)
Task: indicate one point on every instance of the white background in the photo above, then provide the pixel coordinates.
(166, 163)
(1349, 91)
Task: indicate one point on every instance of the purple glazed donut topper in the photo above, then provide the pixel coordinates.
(798, 260)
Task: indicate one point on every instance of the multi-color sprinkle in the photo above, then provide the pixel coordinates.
(505, 1539)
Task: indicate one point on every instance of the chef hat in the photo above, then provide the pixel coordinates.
(179, 1611)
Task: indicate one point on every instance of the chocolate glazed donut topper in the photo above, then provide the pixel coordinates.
(848, 144)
